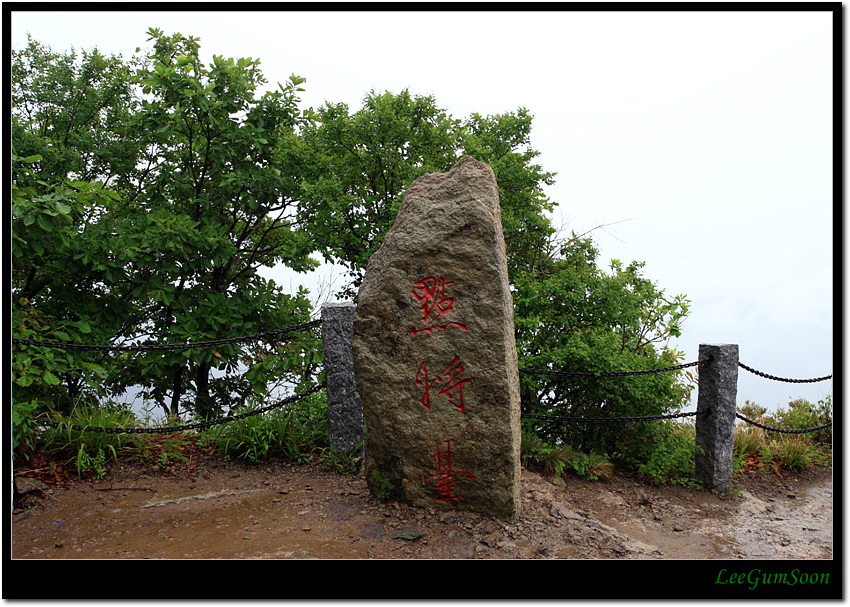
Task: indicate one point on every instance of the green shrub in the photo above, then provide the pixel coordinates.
(556, 460)
(801, 414)
(750, 439)
(292, 432)
(24, 428)
(672, 458)
(92, 449)
(381, 487)
(793, 452)
(592, 466)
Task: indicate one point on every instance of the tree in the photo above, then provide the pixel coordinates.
(200, 204)
(572, 316)
(358, 166)
(569, 315)
(215, 170)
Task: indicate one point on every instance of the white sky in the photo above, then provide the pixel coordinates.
(707, 135)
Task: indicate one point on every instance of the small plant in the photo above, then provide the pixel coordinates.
(672, 458)
(558, 459)
(381, 487)
(172, 452)
(24, 428)
(593, 466)
(71, 435)
(793, 452)
(344, 462)
(96, 464)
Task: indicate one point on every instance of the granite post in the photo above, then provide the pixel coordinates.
(345, 411)
(434, 351)
(715, 424)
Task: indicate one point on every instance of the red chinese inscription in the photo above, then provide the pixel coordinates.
(452, 385)
(432, 293)
(445, 475)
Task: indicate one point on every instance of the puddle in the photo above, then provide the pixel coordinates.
(796, 526)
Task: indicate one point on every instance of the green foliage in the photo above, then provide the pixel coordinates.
(794, 452)
(357, 166)
(197, 202)
(801, 415)
(292, 432)
(572, 316)
(24, 428)
(672, 456)
(381, 487)
(556, 460)
(344, 462)
(96, 465)
(91, 449)
(758, 450)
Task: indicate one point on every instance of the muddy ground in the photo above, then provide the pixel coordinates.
(207, 508)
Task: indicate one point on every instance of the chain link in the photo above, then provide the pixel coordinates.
(792, 381)
(197, 425)
(610, 374)
(763, 427)
(152, 347)
(552, 418)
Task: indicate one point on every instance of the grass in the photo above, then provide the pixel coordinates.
(299, 434)
(758, 450)
(557, 460)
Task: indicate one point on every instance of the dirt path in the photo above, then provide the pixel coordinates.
(227, 510)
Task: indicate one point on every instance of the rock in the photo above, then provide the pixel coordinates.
(559, 510)
(434, 350)
(408, 534)
(345, 411)
(752, 504)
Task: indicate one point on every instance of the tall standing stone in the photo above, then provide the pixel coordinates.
(434, 351)
(716, 406)
(345, 412)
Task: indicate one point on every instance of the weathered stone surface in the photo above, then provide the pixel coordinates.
(434, 350)
(716, 406)
(345, 411)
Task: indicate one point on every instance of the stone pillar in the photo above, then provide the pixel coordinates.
(345, 411)
(434, 351)
(715, 424)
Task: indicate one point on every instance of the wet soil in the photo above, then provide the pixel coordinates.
(207, 508)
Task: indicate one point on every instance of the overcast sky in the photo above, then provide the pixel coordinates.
(703, 139)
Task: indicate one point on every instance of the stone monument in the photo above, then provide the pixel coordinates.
(434, 351)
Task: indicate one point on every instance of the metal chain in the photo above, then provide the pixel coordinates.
(611, 374)
(147, 348)
(551, 418)
(763, 427)
(195, 426)
(793, 381)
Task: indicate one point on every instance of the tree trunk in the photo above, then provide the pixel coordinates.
(177, 392)
(203, 401)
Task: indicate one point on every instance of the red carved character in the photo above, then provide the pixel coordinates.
(450, 380)
(432, 293)
(445, 474)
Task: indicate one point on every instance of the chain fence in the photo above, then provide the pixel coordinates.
(606, 374)
(782, 379)
(171, 347)
(785, 379)
(265, 335)
(193, 426)
(783, 431)
(309, 325)
(551, 418)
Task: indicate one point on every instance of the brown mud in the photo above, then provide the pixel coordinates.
(213, 509)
